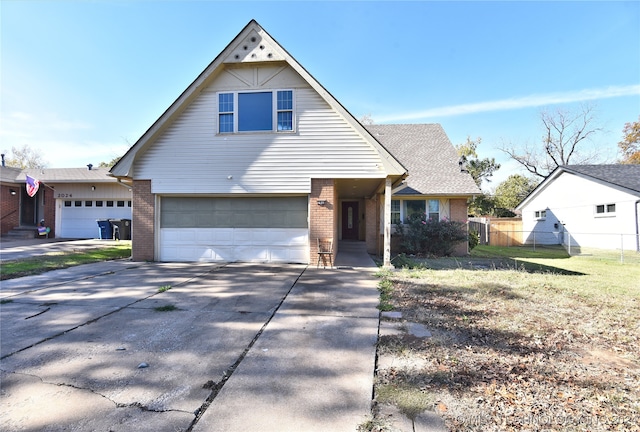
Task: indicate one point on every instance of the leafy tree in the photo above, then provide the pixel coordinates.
(565, 132)
(482, 205)
(366, 119)
(110, 163)
(480, 169)
(24, 157)
(630, 144)
(513, 190)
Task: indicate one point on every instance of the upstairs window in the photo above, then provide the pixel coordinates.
(255, 111)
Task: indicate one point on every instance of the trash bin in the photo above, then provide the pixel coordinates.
(121, 229)
(104, 229)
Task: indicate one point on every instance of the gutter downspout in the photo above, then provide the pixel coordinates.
(637, 228)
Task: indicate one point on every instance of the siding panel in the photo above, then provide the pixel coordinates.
(323, 145)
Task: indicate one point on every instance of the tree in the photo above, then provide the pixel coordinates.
(110, 163)
(513, 190)
(480, 169)
(24, 157)
(630, 144)
(565, 133)
(366, 119)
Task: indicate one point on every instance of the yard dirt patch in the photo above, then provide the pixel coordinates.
(513, 352)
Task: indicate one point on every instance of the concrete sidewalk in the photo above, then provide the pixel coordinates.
(247, 347)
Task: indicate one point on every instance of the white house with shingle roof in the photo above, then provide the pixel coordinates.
(594, 206)
(256, 160)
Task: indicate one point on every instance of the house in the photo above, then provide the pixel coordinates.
(256, 160)
(69, 200)
(590, 205)
(437, 184)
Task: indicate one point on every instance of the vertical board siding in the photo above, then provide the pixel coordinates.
(190, 157)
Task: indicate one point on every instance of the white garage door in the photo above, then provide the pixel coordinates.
(78, 217)
(234, 229)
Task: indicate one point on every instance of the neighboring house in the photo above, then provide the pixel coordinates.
(69, 200)
(593, 205)
(256, 160)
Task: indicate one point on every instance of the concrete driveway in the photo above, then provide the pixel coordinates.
(244, 348)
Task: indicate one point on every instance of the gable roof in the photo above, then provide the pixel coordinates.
(57, 175)
(252, 44)
(431, 159)
(621, 177)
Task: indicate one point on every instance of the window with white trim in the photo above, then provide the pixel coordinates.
(402, 210)
(259, 111)
(605, 210)
(395, 212)
(540, 214)
(434, 210)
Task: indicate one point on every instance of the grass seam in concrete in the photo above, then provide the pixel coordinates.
(217, 387)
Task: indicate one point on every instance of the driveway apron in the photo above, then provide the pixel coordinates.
(127, 346)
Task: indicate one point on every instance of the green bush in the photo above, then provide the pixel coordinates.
(419, 235)
(474, 239)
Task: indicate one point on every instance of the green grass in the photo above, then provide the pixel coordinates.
(45, 263)
(164, 288)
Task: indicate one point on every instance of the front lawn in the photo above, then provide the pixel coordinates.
(44, 263)
(521, 340)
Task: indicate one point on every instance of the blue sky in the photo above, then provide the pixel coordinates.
(81, 81)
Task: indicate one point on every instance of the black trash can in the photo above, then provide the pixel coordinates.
(104, 229)
(121, 229)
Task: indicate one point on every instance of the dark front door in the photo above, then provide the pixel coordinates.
(350, 220)
(28, 215)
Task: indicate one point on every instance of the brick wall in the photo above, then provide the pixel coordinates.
(322, 219)
(458, 212)
(142, 224)
(49, 208)
(10, 208)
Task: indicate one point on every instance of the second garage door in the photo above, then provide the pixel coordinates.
(234, 229)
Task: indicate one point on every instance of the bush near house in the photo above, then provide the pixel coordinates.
(424, 236)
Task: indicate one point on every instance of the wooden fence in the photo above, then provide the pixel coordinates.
(498, 231)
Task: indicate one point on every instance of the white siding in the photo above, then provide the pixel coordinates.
(571, 200)
(190, 157)
(83, 191)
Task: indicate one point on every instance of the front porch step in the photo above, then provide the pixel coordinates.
(23, 233)
(352, 246)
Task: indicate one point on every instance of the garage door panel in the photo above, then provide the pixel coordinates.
(234, 244)
(80, 221)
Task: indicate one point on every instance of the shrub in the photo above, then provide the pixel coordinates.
(419, 235)
(474, 239)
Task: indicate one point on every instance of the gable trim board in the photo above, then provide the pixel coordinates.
(328, 157)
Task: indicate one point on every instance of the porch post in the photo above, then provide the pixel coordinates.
(387, 224)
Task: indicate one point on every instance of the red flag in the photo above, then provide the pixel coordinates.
(32, 186)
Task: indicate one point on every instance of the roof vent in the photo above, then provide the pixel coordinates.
(90, 166)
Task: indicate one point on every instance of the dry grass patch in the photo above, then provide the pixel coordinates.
(517, 349)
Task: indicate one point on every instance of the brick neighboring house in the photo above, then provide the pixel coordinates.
(69, 200)
(256, 160)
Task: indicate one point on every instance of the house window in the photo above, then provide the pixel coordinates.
(225, 112)
(255, 111)
(395, 211)
(605, 210)
(413, 207)
(540, 214)
(434, 210)
(285, 110)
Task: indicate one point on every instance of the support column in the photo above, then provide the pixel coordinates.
(387, 224)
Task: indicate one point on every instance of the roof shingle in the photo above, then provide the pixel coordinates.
(427, 153)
